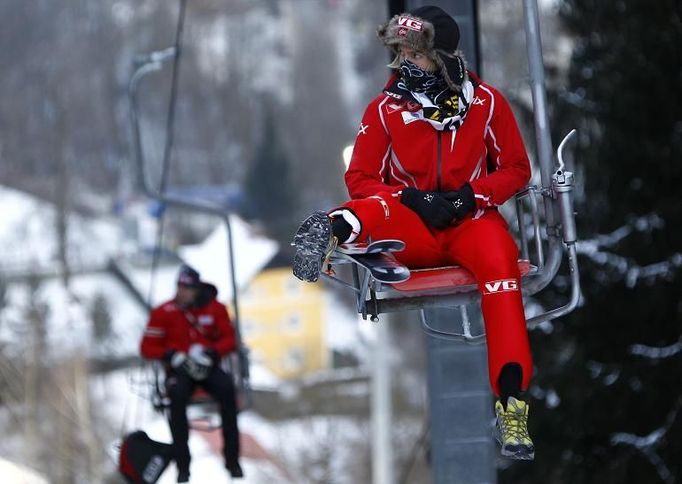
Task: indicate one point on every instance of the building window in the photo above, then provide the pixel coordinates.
(255, 292)
(292, 286)
(292, 322)
(294, 359)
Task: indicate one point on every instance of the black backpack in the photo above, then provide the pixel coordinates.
(143, 460)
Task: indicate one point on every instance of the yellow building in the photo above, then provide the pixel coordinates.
(282, 323)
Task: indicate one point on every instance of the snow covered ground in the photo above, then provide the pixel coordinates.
(124, 397)
(272, 452)
(14, 474)
(27, 235)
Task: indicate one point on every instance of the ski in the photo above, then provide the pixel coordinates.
(382, 266)
(378, 246)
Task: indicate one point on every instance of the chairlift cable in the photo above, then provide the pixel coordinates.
(168, 146)
(165, 169)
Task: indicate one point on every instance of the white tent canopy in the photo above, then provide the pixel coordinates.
(252, 252)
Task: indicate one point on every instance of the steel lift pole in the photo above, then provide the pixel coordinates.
(460, 404)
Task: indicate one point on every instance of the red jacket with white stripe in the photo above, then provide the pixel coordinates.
(171, 327)
(487, 151)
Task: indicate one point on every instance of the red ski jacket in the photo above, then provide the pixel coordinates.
(171, 327)
(487, 151)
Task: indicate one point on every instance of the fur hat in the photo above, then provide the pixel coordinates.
(432, 31)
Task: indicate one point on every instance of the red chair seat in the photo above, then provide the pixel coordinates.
(443, 277)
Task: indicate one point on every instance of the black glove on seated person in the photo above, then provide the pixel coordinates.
(184, 364)
(462, 200)
(432, 207)
(213, 355)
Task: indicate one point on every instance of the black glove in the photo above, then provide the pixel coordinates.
(186, 365)
(462, 200)
(431, 207)
(213, 355)
(168, 356)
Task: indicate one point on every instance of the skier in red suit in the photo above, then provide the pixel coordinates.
(190, 334)
(436, 153)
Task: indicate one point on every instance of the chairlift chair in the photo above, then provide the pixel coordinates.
(203, 410)
(455, 287)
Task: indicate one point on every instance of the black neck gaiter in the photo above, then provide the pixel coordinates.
(417, 79)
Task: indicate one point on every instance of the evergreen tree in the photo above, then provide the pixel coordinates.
(615, 363)
(270, 197)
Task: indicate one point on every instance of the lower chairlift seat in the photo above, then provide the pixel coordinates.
(448, 278)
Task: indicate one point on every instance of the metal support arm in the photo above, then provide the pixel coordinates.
(562, 187)
(145, 65)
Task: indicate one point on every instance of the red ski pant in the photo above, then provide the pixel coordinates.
(482, 246)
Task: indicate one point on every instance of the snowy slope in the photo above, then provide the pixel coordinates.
(15, 474)
(123, 395)
(27, 235)
(284, 452)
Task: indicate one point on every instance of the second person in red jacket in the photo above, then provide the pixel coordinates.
(190, 334)
(436, 153)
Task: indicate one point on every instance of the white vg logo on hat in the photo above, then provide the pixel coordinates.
(410, 23)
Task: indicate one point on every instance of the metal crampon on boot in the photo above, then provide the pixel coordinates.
(314, 242)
